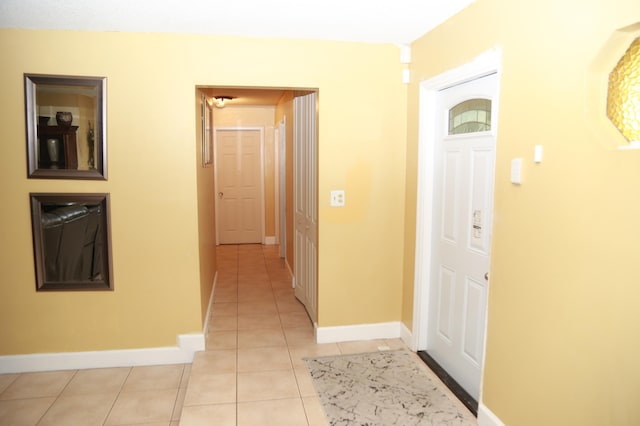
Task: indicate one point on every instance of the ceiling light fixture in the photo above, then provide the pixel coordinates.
(220, 101)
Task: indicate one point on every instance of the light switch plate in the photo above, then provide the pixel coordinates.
(537, 154)
(516, 171)
(337, 198)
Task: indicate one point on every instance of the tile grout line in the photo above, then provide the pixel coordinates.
(57, 396)
(237, 331)
(175, 402)
(237, 279)
(104, 422)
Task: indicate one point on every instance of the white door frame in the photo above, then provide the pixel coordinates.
(215, 174)
(487, 63)
(281, 183)
(276, 183)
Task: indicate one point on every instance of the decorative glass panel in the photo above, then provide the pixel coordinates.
(470, 116)
(623, 100)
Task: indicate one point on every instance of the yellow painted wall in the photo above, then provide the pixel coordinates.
(362, 151)
(263, 117)
(563, 313)
(159, 194)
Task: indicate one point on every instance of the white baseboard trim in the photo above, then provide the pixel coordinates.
(269, 241)
(187, 346)
(486, 417)
(290, 273)
(406, 336)
(183, 353)
(205, 328)
(346, 333)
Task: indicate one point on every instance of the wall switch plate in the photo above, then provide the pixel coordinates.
(337, 198)
(537, 154)
(516, 171)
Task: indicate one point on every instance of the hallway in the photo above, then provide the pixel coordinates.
(253, 372)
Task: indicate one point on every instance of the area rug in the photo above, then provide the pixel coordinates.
(382, 389)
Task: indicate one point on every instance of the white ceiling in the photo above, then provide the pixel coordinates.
(371, 21)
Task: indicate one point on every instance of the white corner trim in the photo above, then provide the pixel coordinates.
(187, 345)
(269, 241)
(346, 333)
(632, 145)
(487, 418)
(406, 335)
(405, 54)
(191, 343)
(406, 76)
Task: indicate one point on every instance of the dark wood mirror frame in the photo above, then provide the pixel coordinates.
(66, 127)
(71, 241)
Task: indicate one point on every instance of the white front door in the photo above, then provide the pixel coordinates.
(464, 157)
(305, 200)
(239, 203)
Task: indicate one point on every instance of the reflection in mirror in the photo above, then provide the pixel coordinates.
(71, 240)
(65, 127)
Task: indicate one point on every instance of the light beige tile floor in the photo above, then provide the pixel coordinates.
(252, 372)
(256, 316)
(150, 395)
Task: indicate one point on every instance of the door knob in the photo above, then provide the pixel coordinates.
(486, 276)
(220, 194)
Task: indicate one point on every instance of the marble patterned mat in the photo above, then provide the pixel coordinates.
(382, 389)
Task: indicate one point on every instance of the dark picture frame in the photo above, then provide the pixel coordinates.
(66, 127)
(71, 241)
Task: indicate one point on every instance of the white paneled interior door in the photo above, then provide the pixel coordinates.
(305, 200)
(239, 183)
(461, 229)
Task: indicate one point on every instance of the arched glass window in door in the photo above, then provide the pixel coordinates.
(470, 116)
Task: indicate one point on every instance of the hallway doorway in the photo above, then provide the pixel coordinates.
(288, 203)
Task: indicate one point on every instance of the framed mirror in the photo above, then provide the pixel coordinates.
(66, 127)
(71, 241)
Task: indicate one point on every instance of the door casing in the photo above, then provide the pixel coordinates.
(487, 63)
(281, 161)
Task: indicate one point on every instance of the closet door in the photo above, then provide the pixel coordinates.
(305, 203)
